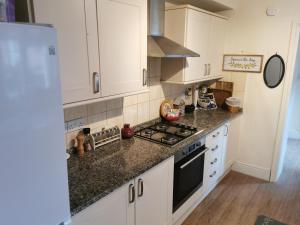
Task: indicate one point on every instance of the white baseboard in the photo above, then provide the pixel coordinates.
(252, 170)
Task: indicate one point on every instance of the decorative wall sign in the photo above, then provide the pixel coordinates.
(243, 63)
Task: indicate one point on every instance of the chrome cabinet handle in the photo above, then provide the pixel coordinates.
(140, 188)
(145, 77)
(216, 135)
(209, 69)
(213, 162)
(96, 77)
(131, 193)
(215, 148)
(205, 72)
(213, 174)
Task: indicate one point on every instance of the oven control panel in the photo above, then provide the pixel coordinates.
(190, 149)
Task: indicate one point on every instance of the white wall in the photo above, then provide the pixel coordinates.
(252, 32)
(294, 118)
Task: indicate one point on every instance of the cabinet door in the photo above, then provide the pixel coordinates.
(231, 151)
(113, 209)
(216, 46)
(70, 21)
(198, 27)
(122, 26)
(154, 202)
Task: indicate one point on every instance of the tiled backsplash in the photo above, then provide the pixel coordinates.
(133, 109)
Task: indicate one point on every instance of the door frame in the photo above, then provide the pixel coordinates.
(281, 135)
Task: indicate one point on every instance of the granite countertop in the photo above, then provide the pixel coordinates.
(100, 172)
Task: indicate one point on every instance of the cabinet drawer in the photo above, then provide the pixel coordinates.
(214, 138)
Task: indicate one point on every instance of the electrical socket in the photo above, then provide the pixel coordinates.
(75, 124)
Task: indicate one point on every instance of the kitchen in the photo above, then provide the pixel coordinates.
(107, 80)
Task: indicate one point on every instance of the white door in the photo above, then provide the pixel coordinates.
(76, 70)
(114, 209)
(122, 26)
(154, 195)
(198, 27)
(216, 46)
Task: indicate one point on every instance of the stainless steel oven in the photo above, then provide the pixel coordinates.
(188, 172)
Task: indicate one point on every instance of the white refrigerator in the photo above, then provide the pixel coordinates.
(33, 165)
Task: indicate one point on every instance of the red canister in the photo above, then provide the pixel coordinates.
(127, 131)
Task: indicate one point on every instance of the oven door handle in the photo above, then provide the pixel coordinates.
(191, 160)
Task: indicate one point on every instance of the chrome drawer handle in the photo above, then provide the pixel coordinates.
(216, 160)
(216, 135)
(213, 174)
(215, 148)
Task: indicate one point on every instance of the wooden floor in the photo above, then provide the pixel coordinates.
(239, 199)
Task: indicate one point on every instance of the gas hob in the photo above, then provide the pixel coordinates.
(166, 133)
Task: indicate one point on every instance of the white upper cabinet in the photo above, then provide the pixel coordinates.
(216, 40)
(102, 46)
(122, 26)
(200, 31)
(198, 26)
(70, 22)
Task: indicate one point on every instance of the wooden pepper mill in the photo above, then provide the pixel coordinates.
(80, 144)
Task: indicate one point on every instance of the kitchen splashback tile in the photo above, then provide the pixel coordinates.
(131, 115)
(96, 108)
(75, 113)
(130, 100)
(156, 92)
(143, 112)
(114, 118)
(154, 67)
(154, 108)
(97, 122)
(143, 97)
(114, 104)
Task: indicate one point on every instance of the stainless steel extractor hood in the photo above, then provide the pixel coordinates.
(158, 45)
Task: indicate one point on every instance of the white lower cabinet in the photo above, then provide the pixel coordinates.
(112, 209)
(146, 200)
(154, 195)
(216, 141)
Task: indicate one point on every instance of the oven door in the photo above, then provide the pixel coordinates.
(188, 176)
